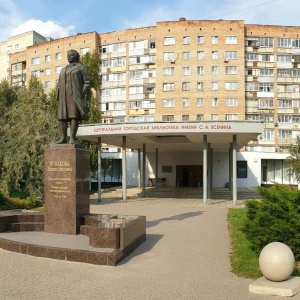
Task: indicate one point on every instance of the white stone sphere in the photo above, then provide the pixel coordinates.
(276, 261)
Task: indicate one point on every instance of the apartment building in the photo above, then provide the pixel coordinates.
(14, 44)
(195, 71)
(46, 60)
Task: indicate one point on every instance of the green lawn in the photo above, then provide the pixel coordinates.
(244, 261)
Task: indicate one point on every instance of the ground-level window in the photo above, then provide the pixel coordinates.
(168, 118)
(241, 169)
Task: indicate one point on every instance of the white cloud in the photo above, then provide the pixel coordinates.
(48, 29)
(13, 21)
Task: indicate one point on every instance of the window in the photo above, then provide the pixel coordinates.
(231, 54)
(200, 86)
(214, 70)
(231, 117)
(58, 56)
(284, 58)
(241, 169)
(9, 48)
(231, 102)
(229, 40)
(267, 135)
(185, 86)
(17, 46)
(200, 55)
(47, 84)
(186, 71)
(186, 40)
(133, 90)
(199, 117)
(231, 86)
(214, 102)
(168, 71)
(296, 43)
(168, 103)
(284, 43)
(265, 87)
(231, 70)
(251, 86)
(35, 73)
(186, 55)
(185, 102)
(57, 70)
(200, 70)
(47, 58)
(266, 57)
(251, 57)
(169, 41)
(169, 55)
(284, 134)
(200, 101)
(168, 87)
(214, 86)
(285, 104)
(265, 103)
(35, 61)
(168, 118)
(113, 48)
(267, 72)
(285, 118)
(84, 51)
(214, 117)
(200, 39)
(214, 55)
(266, 42)
(47, 71)
(214, 40)
(185, 117)
(16, 67)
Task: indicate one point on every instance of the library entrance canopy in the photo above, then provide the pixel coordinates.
(173, 136)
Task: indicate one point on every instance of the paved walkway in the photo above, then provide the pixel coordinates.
(185, 256)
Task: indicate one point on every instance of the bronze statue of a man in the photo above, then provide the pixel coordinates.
(72, 85)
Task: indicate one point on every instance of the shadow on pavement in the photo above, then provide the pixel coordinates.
(179, 217)
(151, 241)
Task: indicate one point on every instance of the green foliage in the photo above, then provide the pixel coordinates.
(294, 159)
(29, 127)
(276, 218)
(92, 61)
(7, 203)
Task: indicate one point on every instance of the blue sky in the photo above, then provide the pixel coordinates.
(64, 18)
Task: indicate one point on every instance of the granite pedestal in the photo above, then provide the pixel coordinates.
(67, 182)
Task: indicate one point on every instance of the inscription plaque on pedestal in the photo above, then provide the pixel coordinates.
(67, 184)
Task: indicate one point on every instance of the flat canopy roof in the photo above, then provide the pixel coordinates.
(173, 136)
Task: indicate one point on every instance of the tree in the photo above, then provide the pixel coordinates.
(294, 159)
(92, 61)
(7, 97)
(30, 127)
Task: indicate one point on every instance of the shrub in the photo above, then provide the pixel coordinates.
(275, 218)
(7, 203)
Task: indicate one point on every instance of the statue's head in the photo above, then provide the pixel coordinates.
(73, 56)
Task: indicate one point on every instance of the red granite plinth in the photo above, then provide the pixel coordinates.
(67, 184)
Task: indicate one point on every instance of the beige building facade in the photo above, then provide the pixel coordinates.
(15, 44)
(192, 71)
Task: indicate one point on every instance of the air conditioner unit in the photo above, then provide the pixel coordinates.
(225, 59)
(41, 70)
(172, 61)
